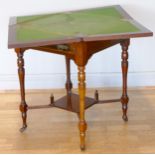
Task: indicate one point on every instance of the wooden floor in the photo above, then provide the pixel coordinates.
(55, 131)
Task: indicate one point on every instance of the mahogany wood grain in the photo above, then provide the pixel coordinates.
(21, 74)
(68, 81)
(70, 102)
(82, 122)
(80, 49)
(125, 98)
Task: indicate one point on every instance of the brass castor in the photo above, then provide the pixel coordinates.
(23, 128)
(82, 147)
(125, 118)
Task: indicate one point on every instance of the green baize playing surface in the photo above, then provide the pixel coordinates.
(89, 22)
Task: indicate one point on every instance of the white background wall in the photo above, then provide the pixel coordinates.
(103, 70)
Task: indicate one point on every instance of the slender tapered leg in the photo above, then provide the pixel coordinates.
(68, 81)
(82, 122)
(125, 98)
(21, 73)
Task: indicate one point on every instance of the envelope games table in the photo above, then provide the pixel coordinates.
(77, 35)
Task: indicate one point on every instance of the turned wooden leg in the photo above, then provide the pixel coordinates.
(68, 81)
(82, 122)
(96, 95)
(125, 98)
(21, 74)
(51, 100)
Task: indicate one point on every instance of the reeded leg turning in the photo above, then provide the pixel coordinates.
(82, 122)
(125, 98)
(21, 74)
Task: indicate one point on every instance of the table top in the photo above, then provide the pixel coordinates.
(104, 23)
